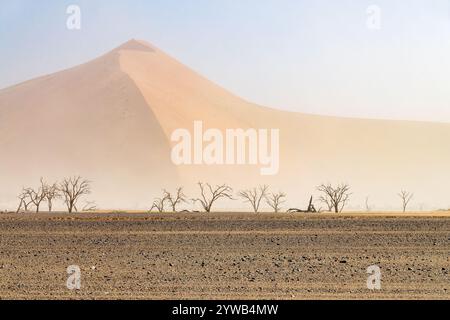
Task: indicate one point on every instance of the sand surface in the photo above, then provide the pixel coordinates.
(223, 256)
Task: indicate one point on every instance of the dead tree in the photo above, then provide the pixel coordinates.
(335, 197)
(406, 198)
(51, 193)
(210, 195)
(38, 195)
(174, 201)
(254, 196)
(159, 204)
(275, 200)
(25, 200)
(72, 190)
(311, 208)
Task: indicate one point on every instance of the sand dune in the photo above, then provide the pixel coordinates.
(111, 120)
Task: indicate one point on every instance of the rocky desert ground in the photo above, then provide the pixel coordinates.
(224, 256)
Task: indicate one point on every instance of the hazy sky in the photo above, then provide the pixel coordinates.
(315, 56)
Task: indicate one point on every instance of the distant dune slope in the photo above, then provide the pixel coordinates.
(111, 120)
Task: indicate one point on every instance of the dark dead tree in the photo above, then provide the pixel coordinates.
(72, 190)
(210, 195)
(174, 201)
(275, 200)
(335, 197)
(38, 195)
(311, 208)
(254, 196)
(51, 194)
(406, 198)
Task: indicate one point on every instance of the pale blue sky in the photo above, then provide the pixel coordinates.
(314, 56)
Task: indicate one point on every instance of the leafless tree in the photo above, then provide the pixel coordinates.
(25, 200)
(275, 200)
(254, 196)
(51, 193)
(406, 198)
(209, 195)
(174, 201)
(38, 195)
(72, 190)
(335, 197)
(159, 203)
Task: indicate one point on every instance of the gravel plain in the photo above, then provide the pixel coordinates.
(224, 256)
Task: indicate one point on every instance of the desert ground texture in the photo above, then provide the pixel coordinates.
(224, 255)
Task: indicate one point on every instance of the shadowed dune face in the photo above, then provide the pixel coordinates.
(111, 121)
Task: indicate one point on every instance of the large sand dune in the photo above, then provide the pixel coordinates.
(111, 120)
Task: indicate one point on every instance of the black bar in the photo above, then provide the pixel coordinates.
(236, 309)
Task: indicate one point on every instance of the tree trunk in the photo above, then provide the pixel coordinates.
(20, 206)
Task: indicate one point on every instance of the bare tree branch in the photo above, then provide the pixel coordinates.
(25, 200)
(335, 197)
(310, 209)
(174, 201)
(406, 198)
(37, 196)
(254, 196)
(159, 203)
(275, 200)
(210, 195)
(51, 193)
(73, 189)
